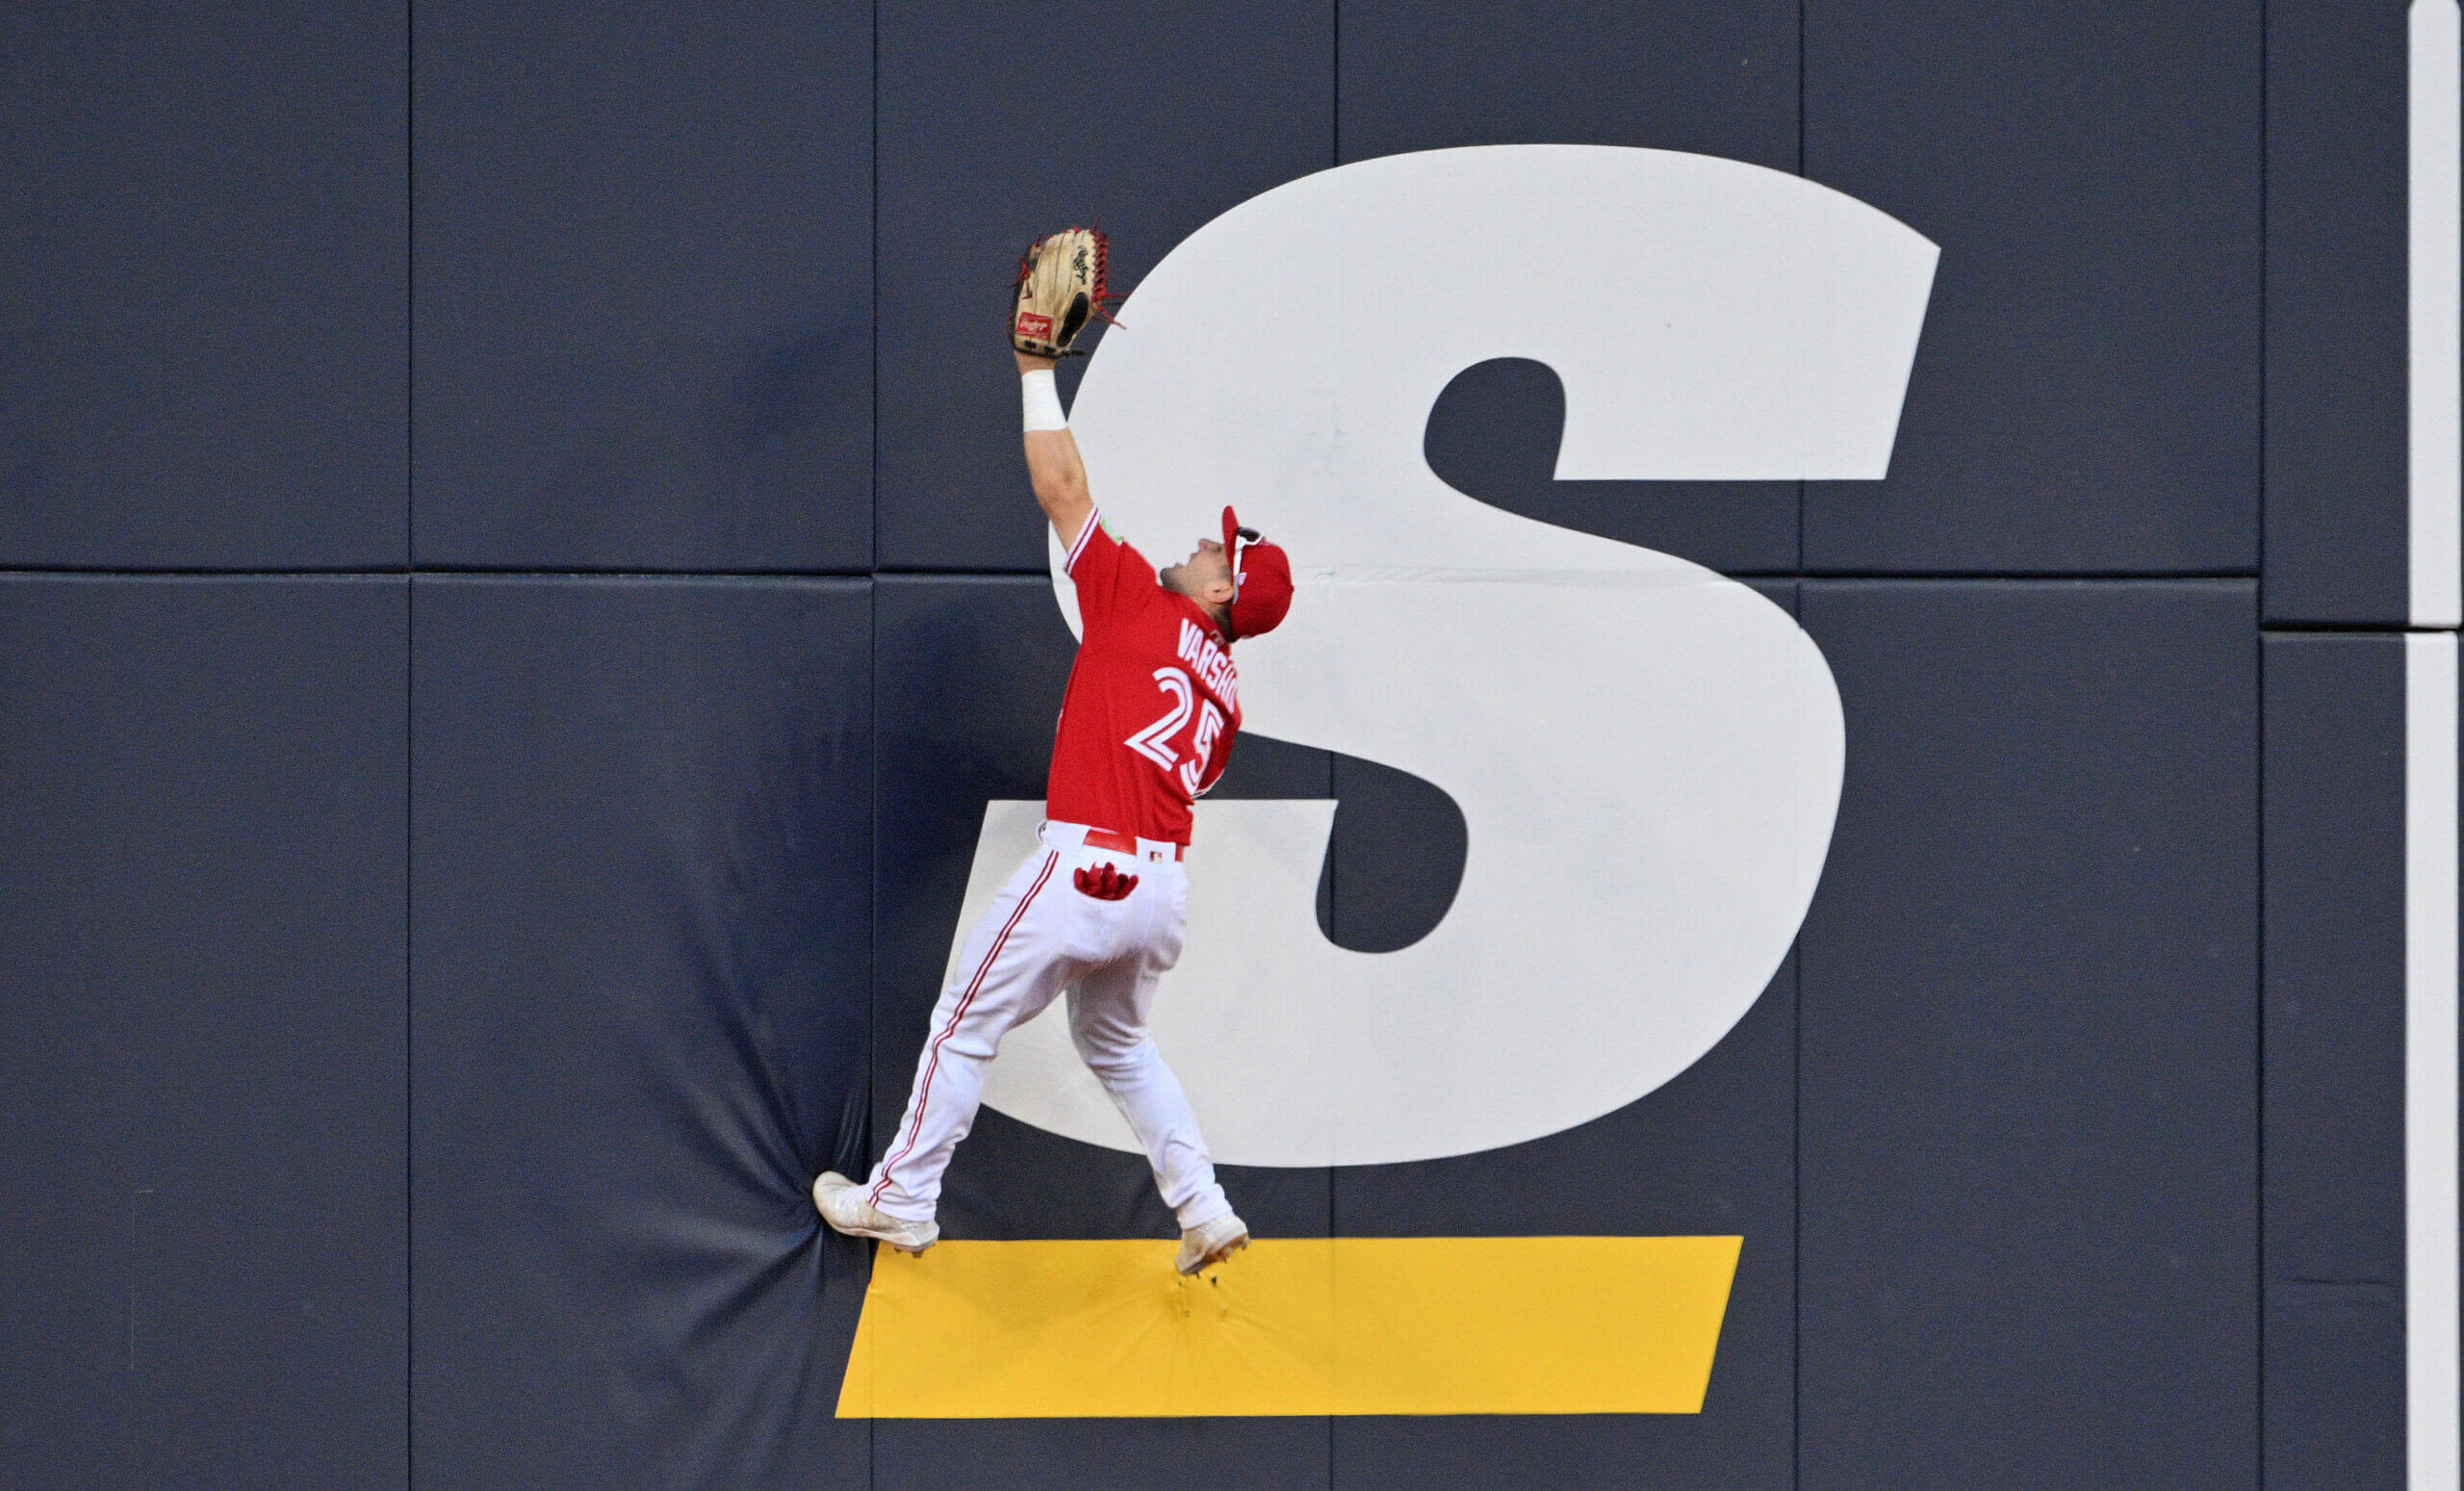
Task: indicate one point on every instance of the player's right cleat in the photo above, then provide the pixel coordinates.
(1209, 1243)
(842, 1205)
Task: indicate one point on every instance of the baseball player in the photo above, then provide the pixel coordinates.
(1146, 727)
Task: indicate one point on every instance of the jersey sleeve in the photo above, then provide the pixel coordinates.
(1112, 576)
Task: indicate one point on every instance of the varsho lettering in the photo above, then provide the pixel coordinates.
(1209, 664)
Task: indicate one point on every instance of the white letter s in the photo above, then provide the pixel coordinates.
(1647, 754)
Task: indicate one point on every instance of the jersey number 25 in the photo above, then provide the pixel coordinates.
(1155, 741)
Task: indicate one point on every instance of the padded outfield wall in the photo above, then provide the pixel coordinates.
(517, 589)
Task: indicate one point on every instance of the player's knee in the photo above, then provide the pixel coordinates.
(1113, 1056)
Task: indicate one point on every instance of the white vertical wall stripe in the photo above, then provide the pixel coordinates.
(2433, 1331)
(2435, 310)
(2434, 1439)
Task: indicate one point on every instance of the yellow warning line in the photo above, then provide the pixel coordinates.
(1292, 1325)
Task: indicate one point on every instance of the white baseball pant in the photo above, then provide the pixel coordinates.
(1040, 936)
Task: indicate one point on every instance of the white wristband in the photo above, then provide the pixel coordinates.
(1043, 400)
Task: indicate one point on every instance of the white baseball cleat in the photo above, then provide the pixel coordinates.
(842, 1205)
(1209, 1243)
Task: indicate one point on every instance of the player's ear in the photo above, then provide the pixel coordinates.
(1217, 592)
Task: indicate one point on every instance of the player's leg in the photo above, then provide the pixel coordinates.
(1013, 962)
(1108, 1011)
(1108, 1024)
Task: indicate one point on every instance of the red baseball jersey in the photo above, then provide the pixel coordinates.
(1148, 724)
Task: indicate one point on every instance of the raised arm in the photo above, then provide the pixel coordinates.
(1052, 453)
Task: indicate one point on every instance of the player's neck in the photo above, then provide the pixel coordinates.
(1220, 617)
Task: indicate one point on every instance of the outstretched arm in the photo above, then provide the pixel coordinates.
(1052, 464)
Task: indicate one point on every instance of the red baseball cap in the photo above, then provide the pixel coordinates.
(1261, 579)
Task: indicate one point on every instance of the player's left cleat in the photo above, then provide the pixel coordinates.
(1209, 1243)
(842, 1205)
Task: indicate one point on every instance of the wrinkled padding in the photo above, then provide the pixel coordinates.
(1292, 1326)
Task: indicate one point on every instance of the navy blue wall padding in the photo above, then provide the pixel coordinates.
(2335, 1387)
(1117, 1454)
(641, 917)
(969, 672)
(2334, 1142)
(644, 294)
(201, 965)
(2086, 396)
(998, 123)
(1701, 76)
(2030, 1041)
(1395, 859)
(428, 995)
(202, 264)
(2337, 508)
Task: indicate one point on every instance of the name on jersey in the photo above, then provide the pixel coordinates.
(1209, 664)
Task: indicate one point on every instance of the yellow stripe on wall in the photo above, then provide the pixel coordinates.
(1292, 1326)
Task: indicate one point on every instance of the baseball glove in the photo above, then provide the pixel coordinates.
(1060, 284)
